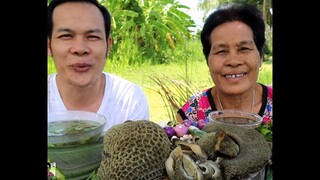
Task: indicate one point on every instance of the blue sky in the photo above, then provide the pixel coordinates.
(193, 12)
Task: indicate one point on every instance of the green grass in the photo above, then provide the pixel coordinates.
(196, 73)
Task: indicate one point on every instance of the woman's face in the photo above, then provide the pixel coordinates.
(234, 59)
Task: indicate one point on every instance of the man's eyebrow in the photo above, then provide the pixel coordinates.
(88, 31)
(64, 30)
(94, 31)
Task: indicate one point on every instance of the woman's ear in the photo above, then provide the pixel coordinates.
(260, 65)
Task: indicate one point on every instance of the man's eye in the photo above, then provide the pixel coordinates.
(65, 36)
(94, 37)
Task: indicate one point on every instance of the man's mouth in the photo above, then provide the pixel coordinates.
(81, 67)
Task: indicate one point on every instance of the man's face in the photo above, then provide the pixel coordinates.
(78, 45)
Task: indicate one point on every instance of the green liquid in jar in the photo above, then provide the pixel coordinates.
(71, 127)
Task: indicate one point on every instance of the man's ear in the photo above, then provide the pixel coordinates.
(49, 47)
(109, 44)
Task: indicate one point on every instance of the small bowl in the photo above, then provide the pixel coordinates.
(71, 128)
(235, 117)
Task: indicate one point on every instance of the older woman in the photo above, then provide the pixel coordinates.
(233, 38)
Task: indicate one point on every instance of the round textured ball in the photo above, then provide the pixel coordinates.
(134, 150)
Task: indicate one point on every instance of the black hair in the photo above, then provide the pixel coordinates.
(242, 12)
(54, 3)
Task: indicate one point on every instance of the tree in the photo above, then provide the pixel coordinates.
(152, 26)
(265, 7)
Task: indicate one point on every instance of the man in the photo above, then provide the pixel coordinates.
(79, 41)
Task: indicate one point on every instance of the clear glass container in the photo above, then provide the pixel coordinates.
(235, 117)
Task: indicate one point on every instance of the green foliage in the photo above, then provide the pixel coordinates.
(266, 75)
(266, 130)
(126, 54)
(51, 67)
(268, 47)
(152, 26)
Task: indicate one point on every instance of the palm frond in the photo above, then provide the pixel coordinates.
(174, 93)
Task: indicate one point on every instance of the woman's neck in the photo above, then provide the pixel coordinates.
(244, 102)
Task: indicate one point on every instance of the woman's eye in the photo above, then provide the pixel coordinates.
(221, 52)
(244, 49)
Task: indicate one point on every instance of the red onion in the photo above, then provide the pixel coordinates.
(181, 130)
(187, 122)
(169, 131)
(201, 123)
